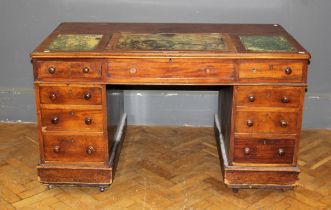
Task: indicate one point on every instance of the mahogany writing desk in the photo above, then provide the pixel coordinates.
(260, 70)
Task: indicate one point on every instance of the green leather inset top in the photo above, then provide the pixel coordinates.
(75, 42)
(263, 43)
(171, 41)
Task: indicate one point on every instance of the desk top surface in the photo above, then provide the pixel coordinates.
(107, 40)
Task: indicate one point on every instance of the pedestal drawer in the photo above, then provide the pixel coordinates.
(70, 95)
(269, 96)
(266, 121)
(72, 148)
(273, 151)
(71, 120)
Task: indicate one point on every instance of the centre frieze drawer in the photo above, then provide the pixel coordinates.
(170, 70)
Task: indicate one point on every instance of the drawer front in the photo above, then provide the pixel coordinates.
(89, 148)
(266, 122)
(71, 120)
(269, 96)
(70, 95)
(172, 71)
(68, 70)
(271, 71)
(273, 151)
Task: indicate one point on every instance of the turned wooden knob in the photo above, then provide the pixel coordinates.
(281, 152)
(51, 70)
(57, 149)
(247, 150)
(52, 96)
(207, 71)
(250, 123)
(288, 70)
(86, 70)
(89, 150)
(55, 120)
(283, 123)
(87, 95)
(88, 121)
(251, 98)
(285, 99)
(133, 70)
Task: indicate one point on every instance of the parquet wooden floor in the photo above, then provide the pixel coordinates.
(160, 168)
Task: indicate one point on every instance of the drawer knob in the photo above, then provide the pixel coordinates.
(281, 152)
(51, 70)
(283, 123)
(87, 95)
(52, 96)
(250, 123)
(207, 70)
(88, 121)
(285, 99)
(288, 70)
(55, 120)
(89, 150)
(86, 70)
(247, 150)
(57, 149)
(133, 70)
(251, 98)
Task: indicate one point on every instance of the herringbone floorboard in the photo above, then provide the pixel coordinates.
(160, 168)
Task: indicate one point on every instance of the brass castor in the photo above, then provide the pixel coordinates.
(235, 190)
(50, 186)
(102, 189)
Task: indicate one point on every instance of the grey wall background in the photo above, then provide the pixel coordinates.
(23, 24)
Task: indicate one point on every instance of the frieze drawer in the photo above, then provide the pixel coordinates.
(170, 71)
(68, 71)
(272, 71)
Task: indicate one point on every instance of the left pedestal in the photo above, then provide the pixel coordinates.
(81, 125)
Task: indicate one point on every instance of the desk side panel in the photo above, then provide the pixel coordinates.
(115, 110)
(225, 114)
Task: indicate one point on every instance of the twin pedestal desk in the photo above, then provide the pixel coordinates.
(259, 70)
